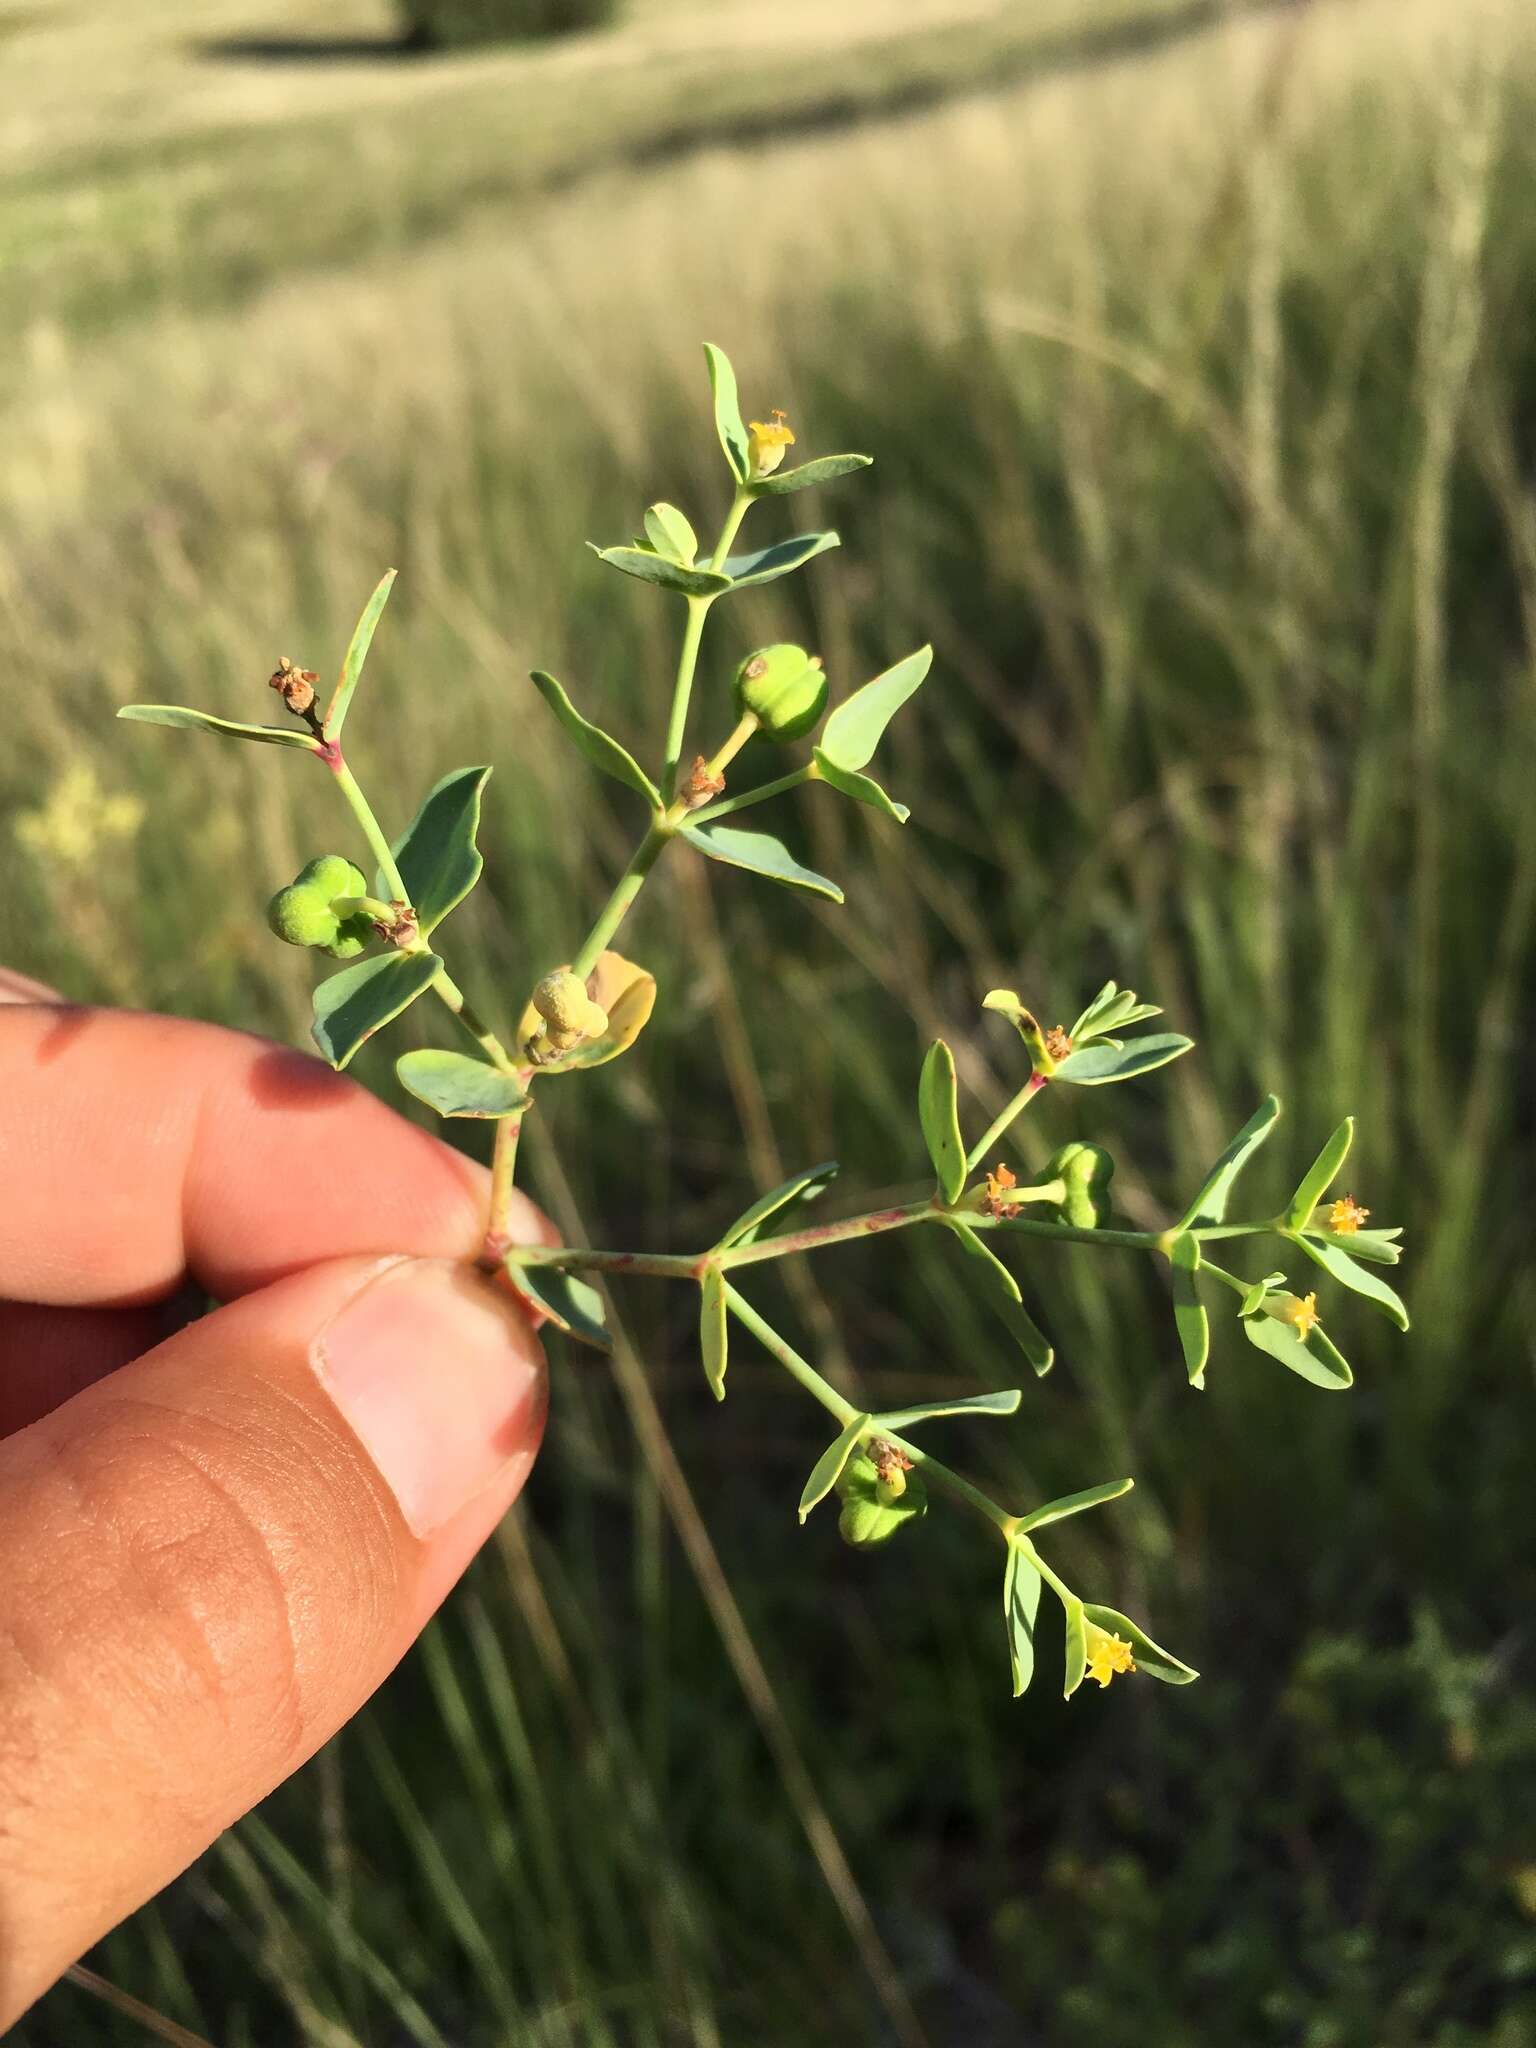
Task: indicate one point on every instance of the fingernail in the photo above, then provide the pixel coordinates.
(442, 1381)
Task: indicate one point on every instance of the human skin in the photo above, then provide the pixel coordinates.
(217, 1536)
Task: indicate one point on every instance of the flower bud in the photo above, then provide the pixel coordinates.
(1087, 1171)
(568, 1011)
(303, 913)
(784, 689)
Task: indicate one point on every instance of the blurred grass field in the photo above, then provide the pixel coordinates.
(1197, 360)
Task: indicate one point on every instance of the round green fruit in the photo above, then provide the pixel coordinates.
(784, 689)
(301, 914)
(1087, 1171)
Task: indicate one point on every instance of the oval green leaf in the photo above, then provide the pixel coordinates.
(1189, 1313)
(570, 1304)
(828, 1468)
(1003, 1295)
(713, 1338)
(1210, 1206)
(1076, 1648)
(454, 1084)
(1333, 1259)
(1319, 1175)
(1150, 1657)
(729, 424)
(764, 565)
(352, 1005)
(1021, 1604)
(599, 747)
(821, 470)
(862, 788)
(1380, 1247)
(204, 721)
(856, 727)
(761, 854)
(649, 568)
(1004, 1402)
(800, 1187)
(1100, 1063)
(1316, 1359)
(670, 533)
(1075, 1503)
(356, 655)
(436, 854)
(938, 1108)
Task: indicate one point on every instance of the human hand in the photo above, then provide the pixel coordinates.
(216, 1537)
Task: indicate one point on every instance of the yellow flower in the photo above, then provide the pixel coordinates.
(1000, 1182)
(1346, 1216)
(766, 444)
(77, 820)
(1107, 1654)
(1300, 1313)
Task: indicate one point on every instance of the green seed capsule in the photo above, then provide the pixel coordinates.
(871, 1514)
(302, 914)
(784, 689)
(1087, 1171)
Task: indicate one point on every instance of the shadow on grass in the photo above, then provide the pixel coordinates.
(310, 49)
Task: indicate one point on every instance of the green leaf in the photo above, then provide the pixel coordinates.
(1319, 1175)
(1210, 1206)
(436, 854)
(661, 569)
(1315, 1359)
(1097, 1064)
(828, 1468)
(356, 655)
(729, 424)
(570, 1304)
(1155, 1661)
(856, 727)
(1189, 1313)
(1335, 1260)
(204, 721)
(670, 533)
(761, 854)
(1004, 1402)
(1002, 1293)
(600, 748)
(1112, 1009)
(764, 565)
(1076, 1658)
(713, 1339)
(1378, 1246)
(862, 788)
(1021, 1604)
(938, 1108)
(1075, 1503)
(800, 1187)
(1254, 1299)
(454, 1084)
(820, 470)
(352, 1005)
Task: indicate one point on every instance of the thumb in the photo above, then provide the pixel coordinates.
(213, 1557)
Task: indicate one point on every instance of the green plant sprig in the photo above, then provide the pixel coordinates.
(584, 1013)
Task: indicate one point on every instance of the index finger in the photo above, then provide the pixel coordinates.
(138, 1151)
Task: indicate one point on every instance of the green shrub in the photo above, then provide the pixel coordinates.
(458, 24)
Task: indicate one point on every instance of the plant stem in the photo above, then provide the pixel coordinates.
(1002, 1120)
(503, 1172)
(450, 993)
(973, 1496)
(687, 661)
(797, 1367)
(625, 890)
(378, 845)
(576, 1259)
(728, 804)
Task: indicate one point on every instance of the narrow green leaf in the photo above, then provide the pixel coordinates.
(1021, 1604)
(858, 724)
(713, 1338)
(1076, 1658)
(436, 854)
(1319, 1175)
(1003, 1295)
(1254, 1299)
(356, 655)
(820, 470)
(1380, 1247)
(761, 854)
(1335, 1260)
(800, 1187)
(1004, 1402)
(729, 424)
(1107, 995)
(939, 1110)
(570, 1304)
(862, 788)
(599, 747)
(1075, 1503)
(1210, 1206)
(1099, 1063)
(670, 533)
(352, 1005)
(204, 721)
(1155, 1661)
(649, 568)
(828, 1468)
(1189, 1313)
(454, 1084)
(764, 565)
(1316, 1359)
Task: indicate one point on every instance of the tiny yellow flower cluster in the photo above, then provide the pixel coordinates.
(766, 443)
(1001, 1181)
(77, 820)
(1301, 1313)
(1107, 1654)
(1346, 1216)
